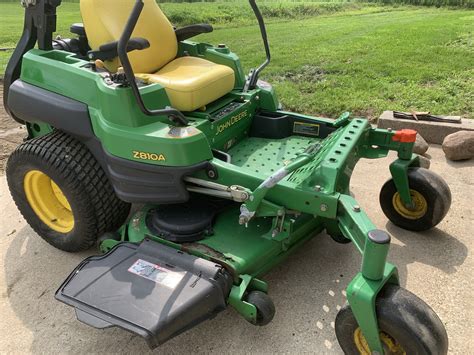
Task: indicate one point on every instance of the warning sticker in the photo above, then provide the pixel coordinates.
(156, 273)
(310, 129)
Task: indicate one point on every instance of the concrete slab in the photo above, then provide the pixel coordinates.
(432, 132)
(308, 289)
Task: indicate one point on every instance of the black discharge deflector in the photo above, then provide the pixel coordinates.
(149, 289)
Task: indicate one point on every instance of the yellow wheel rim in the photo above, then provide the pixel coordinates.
(418, 210)
(391, 346)
(48, 201)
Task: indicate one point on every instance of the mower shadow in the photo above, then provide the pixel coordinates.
(307, 290)
(435, 248)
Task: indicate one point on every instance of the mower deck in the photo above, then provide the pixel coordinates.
(157, 288)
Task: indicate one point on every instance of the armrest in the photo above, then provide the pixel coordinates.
(109, 50)
(186, 32)
(78, 29)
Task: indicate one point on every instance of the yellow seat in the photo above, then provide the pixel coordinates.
(190, 82)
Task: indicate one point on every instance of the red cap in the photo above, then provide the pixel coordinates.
(405, 136)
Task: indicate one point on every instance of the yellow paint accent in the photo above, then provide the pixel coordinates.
(192, 82)
(420, 206)
(104, 21)
(48, 201)
(391, 346)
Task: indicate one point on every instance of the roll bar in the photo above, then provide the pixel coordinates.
(174, 115)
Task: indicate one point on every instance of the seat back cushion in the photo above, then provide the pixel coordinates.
(105, 20)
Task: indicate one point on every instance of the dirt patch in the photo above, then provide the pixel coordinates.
(11, 133)
(464, 41)
(306, 74)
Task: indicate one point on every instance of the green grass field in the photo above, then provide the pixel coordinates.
(332, 57)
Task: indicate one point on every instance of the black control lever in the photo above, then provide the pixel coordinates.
(110, 50)
(174, 115)
(254, 73)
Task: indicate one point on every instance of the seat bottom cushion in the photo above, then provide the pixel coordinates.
(193, 82)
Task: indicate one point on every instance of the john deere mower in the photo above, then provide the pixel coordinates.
(131, 111)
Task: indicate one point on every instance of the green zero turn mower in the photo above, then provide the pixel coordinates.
(132, 111)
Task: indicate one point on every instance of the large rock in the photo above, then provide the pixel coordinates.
(459, 145)
(421, 146)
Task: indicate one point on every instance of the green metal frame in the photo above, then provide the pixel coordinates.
(291, 200)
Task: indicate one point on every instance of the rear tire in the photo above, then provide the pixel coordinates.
(63, 193)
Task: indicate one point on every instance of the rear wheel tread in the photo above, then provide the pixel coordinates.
(73, 162)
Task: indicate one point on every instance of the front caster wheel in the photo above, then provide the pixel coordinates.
(339, 238)
(407, 326)
(431, 198)
(264, 305)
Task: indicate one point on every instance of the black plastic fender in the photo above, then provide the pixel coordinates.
(132, 181)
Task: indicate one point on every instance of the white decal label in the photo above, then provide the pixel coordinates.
(156, 273)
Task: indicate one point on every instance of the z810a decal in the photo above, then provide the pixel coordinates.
(148, 156)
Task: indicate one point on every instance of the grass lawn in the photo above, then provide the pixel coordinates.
(363, 59)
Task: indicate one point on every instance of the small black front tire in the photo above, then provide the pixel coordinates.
(339, 238)
(407, 326)
(265, 307)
